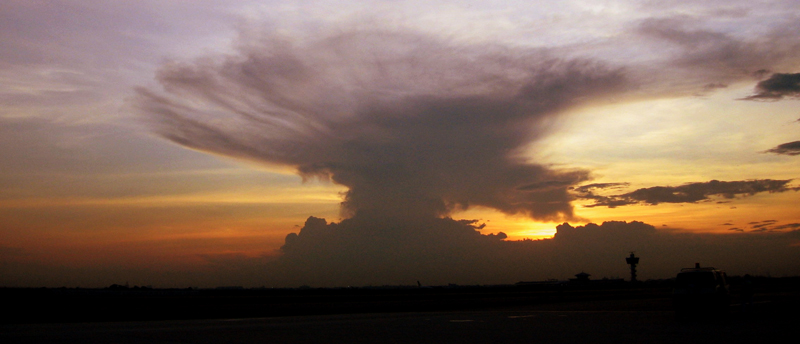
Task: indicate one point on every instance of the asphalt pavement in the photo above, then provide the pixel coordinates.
(623, 321)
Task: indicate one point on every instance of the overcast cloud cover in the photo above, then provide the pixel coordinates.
(418, 113)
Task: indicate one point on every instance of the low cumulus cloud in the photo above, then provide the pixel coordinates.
(687, 193)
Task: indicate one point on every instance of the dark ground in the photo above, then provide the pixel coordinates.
(128, 304)
(444, 315)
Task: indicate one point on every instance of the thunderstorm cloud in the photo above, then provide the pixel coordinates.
(411, 125)
(417, 127)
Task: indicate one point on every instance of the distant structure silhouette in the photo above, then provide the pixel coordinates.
(581, 278)
(632, 261)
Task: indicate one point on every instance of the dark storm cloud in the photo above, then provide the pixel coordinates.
(411, 124)
(365, 250)
(777, 87)
(417, 126)
(689, 193)
(352, 252)
(789, 148)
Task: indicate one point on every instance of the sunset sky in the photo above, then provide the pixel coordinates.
(179, 143)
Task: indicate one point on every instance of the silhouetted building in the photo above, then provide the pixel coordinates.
(582, 278)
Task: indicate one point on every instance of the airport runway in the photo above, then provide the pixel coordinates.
(610, 322)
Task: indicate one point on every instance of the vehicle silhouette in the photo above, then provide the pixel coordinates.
(700, 292)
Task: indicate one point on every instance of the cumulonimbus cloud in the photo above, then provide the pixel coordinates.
(416, 127)
(411, 124)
